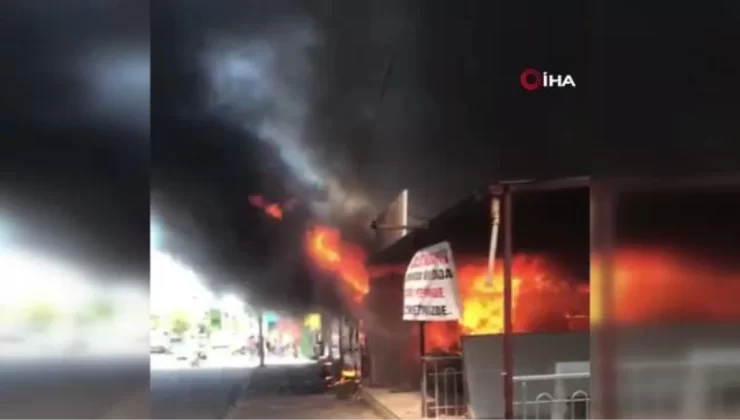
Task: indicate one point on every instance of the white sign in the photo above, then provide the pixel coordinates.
(430, 286)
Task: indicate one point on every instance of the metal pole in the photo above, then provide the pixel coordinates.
(261, 339)
(357, 352)
(495, 221)
(508, 362)
(340, 333)
(423, 371)
(602, 228)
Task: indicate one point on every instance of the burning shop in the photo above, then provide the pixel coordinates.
(666, 282)
(550, 289)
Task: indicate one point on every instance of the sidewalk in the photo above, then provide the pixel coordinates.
(320, 406)
(285, 391)
(134, 406)
(392, 404)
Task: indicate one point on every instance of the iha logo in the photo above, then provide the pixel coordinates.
(532, 79)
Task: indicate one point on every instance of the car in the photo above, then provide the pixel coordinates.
(182, 348)
(158, 343)
(221, 340)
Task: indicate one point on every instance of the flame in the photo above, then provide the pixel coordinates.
(345, 261)
(542, 300)
(273, 210)
(650, 285)
(663, 286)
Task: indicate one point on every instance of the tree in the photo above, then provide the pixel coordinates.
(99, 310)
(41, 316)
(102, 310)
(154, 322)
(180, 323)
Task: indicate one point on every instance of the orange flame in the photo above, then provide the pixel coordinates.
(662, 286)
(273, 210)
(651, 285)
(542, 300)
(327, 250)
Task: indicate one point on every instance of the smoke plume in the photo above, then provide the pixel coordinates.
(265, 83)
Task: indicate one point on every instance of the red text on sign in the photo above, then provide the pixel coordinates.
(429, 258)
(426, 292)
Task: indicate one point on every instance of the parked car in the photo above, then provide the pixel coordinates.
(158, 342)
(183, 348)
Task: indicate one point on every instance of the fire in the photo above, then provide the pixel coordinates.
(650, 285)
(541, 296)
(658, 285)
(542, 300)
(346, 261)
(273, 210)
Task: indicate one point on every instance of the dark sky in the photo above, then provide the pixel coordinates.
(283, 98)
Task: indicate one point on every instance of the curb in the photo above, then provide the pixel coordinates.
(236, 398)
(131, 406)
(376, 405)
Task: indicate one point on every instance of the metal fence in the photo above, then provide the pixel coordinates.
(703, 385)
(553, 396)
(443, 387)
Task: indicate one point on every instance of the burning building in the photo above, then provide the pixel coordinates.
(672, 294)
(550, 284)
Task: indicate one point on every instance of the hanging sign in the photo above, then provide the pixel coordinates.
(430, 286)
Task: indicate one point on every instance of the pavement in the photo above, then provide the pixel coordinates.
(109, 388)
(72, 388)
(134, 406)
(294, 391)
(323, 406)
(179, 391)
(390, 404)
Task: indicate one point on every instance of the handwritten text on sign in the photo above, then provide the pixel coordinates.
(430, 286)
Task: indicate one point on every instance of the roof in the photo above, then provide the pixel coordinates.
(433, 232)
(466, 223)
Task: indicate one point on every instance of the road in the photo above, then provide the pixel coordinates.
(117, 388)
(182, 392)
(279, 392)
(69, 388)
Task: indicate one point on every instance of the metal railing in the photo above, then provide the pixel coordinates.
(704, 384)
(442, 387)
(553, 396)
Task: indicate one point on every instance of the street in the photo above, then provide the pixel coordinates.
(68, 388)
(284, 391)
(182, 392)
